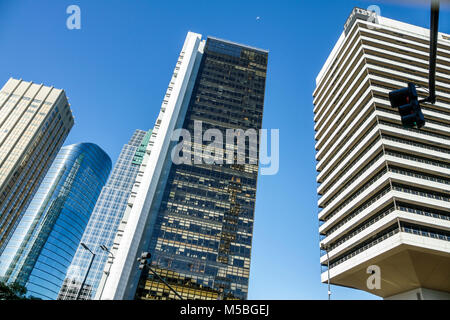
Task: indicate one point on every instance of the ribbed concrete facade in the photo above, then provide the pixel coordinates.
(34, 122)
(384, 190)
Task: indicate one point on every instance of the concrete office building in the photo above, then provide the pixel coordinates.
(42, 246)
(103, 223)
(34, 122)
(196, 219)
(384, 189)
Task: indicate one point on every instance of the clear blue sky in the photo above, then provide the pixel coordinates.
(116, 69)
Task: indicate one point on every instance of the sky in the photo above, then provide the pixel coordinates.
(116, 68)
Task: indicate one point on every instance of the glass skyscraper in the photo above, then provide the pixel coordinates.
(44, 243)
(196, 219)
(105, 218)
(34, 122)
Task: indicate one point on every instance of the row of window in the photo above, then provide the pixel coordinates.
(403, 207)
(356, 194)
(409, 228)
(356, 176)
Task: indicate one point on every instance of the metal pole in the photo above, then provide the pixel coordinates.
(106, 279)
(104, 248)
(328, 263)
(324, 247)
(87, 272)
(434, 23)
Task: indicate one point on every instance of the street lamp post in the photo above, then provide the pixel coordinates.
(434, 23)
(87, 272)
(104, 248)
(323, 247)
(328, 267)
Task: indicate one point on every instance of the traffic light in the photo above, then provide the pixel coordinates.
(143, 259)
(146, 255)
(407, 102)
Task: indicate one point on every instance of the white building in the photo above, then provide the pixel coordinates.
(384, 189)
(132, 236)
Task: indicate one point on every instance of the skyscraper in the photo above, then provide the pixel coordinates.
(196, 219)
(105, 218)
(384, 189)
(44, 243)
(34, 122)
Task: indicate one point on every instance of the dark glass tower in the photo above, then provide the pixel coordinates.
(202, 236)
(196, 217)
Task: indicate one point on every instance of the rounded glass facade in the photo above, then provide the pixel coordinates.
(47, 237)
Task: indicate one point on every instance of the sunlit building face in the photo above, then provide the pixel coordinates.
(34, 122)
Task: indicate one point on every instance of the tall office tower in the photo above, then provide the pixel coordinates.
(196, 219)
(102, 226)
(384, 189)
(47, 237)
(34, 122)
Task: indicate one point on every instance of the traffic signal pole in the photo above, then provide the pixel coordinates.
(434, 23)
(164, 281)
(144, 265)
(406, 99)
